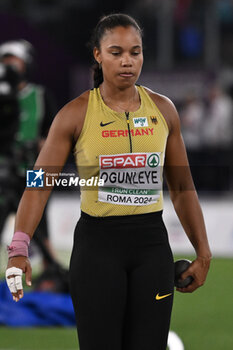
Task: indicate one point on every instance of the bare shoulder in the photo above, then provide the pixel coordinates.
(166, 107)
(72, 115)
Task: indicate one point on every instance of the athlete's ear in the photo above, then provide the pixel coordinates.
(97, 54)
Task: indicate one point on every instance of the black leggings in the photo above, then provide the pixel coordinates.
(118, 267)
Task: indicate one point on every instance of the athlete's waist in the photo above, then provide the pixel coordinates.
(135, 218)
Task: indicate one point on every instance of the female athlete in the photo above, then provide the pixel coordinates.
(121, 269)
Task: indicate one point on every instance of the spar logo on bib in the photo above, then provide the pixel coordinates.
(130, 160)
(130, 178)
(123, 161)
(153, 160)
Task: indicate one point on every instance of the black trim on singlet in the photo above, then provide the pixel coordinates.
(130, 138)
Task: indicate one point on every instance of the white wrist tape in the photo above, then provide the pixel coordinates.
(14, 279)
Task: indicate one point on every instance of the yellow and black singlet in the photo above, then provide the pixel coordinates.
(125, 153)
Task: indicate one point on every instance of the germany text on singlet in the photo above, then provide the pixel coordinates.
(126, 151)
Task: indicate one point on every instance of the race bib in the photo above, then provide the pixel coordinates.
(130, 178)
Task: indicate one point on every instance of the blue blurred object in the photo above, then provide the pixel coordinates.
(36, 309)
(190, 41)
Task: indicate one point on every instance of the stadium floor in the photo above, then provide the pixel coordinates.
(203, 320)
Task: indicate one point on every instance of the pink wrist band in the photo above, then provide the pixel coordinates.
(19, 245)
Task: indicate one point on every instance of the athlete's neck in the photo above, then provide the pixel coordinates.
(121, 100)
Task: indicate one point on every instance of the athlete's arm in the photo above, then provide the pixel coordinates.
(183, 195)
(64, 131)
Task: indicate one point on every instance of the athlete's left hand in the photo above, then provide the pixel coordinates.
(198, 270)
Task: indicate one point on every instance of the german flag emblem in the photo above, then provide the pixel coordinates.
(154, 120)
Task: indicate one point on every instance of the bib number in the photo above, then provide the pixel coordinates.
(130, 178)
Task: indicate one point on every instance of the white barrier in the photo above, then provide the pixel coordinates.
(219, 224)
(64, 211)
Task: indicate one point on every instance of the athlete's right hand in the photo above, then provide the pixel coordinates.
(15, 268)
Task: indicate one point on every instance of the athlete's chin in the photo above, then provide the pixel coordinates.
(126, 82)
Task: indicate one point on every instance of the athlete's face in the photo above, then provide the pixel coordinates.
(120, 55)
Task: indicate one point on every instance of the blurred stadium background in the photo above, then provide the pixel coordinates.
(188, 57)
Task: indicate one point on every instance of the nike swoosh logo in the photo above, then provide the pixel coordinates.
(104, 124)
(159, 297)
